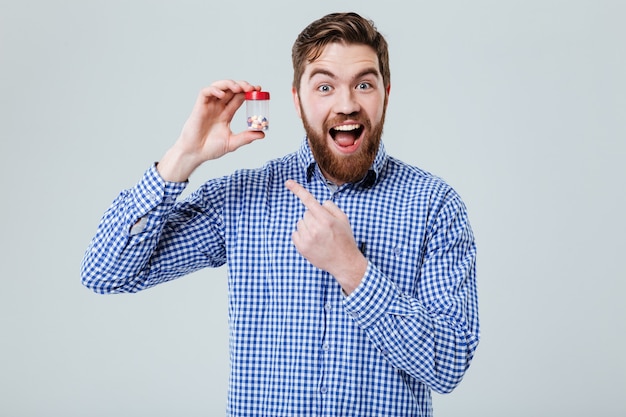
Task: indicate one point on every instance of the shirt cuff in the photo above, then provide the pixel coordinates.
(152, 192)
(371, 299)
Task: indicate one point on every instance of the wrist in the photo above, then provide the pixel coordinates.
(352, 277)
(176, 166)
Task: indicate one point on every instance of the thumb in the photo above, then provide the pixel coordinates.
(243, 138)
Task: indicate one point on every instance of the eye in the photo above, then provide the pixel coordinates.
(363, 86)
(324, 88)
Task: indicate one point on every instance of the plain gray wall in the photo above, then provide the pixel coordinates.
(520, 105)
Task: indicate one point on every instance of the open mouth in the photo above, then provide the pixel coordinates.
(346, 135)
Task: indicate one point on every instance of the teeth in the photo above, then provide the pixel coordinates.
(346, 128)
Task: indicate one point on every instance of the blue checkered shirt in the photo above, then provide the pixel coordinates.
(298, 345)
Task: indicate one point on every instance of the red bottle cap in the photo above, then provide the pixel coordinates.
(257, 95)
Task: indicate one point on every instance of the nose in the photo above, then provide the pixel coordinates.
(346, 101)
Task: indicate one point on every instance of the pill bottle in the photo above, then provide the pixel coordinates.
(257, 110)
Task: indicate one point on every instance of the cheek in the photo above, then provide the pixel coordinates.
(314, 116)
(376, 110)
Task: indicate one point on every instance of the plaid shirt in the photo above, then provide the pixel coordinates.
(298, 345)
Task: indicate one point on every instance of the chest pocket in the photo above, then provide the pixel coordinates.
(398, 262)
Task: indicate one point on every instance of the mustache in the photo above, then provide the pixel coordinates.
(355, 117)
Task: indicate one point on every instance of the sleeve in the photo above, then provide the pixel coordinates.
(146, 238)
(432, 334)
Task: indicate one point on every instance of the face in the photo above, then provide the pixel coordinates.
(342, 102)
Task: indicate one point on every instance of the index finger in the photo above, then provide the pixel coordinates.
(220, 89)
(305, 197)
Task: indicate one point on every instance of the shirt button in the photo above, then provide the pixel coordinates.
(328, 307)
(326, 347)
(323, 390)
(354, 314)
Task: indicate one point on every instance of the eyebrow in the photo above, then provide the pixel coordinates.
(366, 71)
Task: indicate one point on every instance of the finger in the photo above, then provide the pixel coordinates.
(219, 88)
(304, 196)
(301, 236)
(246, 86)
(212, 91)
(232, 105)
(219, 94)
(244, 138)
(295, 238)
(301, 227)
(239, 88)
(226, 85)
(333, 209)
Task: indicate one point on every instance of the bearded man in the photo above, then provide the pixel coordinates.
(352, 287)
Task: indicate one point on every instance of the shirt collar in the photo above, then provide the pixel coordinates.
(308, 164)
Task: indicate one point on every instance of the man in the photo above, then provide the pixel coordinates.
(351, 274)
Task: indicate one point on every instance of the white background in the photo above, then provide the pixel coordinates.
(519, 105)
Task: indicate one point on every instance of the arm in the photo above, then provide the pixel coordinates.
(324, 237)
(142, 239)
(118, 257)
(431, 334)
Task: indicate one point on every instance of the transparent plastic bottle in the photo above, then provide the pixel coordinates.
(257, 110)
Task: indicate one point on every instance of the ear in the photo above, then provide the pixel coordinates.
(387, 90)
(296, 101)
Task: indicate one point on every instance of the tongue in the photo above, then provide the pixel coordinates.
(344, 139)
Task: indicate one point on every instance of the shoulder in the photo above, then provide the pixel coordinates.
(272, 170)
(430, 195)
(244, 183)
(414, 180)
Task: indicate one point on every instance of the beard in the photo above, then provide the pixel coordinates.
(345, 168)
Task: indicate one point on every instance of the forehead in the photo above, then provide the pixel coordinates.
(340, 59)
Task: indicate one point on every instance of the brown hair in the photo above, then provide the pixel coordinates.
(349, 28)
